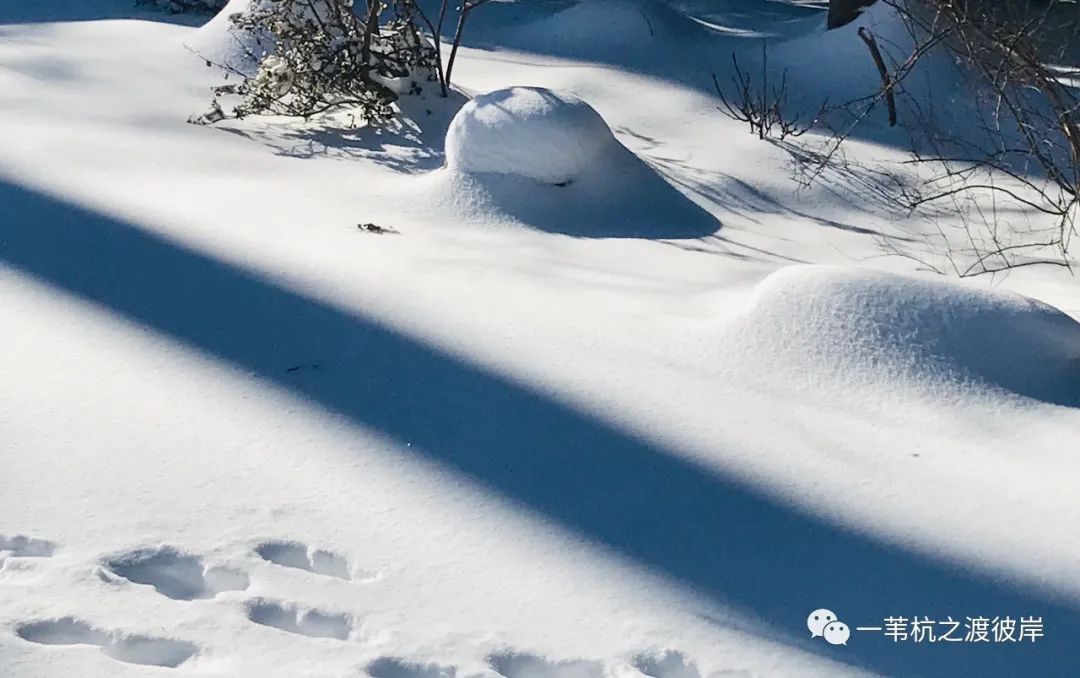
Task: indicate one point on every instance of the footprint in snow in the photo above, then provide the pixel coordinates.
(395, 667)
(21, 546)
(175, 574)
(299, 556)
(666, 664)
(525, 665)
(301, 621)
(128, 648)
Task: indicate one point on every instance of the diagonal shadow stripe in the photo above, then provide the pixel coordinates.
(730, 543)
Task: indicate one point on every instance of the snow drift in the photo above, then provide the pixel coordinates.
(550, 160)
(853, 325)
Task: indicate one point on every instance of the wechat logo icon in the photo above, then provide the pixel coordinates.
(825, 624)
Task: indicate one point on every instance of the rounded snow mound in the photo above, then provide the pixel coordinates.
(531, 132)
(548, 161)
(821, 322)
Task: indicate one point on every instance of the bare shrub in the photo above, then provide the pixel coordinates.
(763, 108)
(1000, 171)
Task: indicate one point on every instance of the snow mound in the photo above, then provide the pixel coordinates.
(823, 323)
(548, 160)
(547, 136)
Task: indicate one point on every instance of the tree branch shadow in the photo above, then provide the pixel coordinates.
(411, 144)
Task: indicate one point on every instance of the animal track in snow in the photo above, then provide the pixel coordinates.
(304, 622)
(301, 557)
(132, 649)
(395, 667)
(666, 664)
(176, 575)
(524, 665)
(25, 547)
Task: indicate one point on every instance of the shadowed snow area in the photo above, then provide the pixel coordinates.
(860, 326)
(550, 161)
(40, 11)
(644, 24)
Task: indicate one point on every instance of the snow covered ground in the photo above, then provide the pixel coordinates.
(611, 428)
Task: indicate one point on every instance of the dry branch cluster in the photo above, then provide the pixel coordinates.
(1015, 153)
(764, 108)
(1018, 149)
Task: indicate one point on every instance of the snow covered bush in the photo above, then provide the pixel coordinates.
(319, 56)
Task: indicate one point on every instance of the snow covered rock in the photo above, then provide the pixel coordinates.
(531, 132)
(826, 324)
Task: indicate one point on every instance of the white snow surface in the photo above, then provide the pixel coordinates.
(529, 132)
(638, 425)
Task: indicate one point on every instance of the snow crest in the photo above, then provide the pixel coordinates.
(860, 325)
(531, 132)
